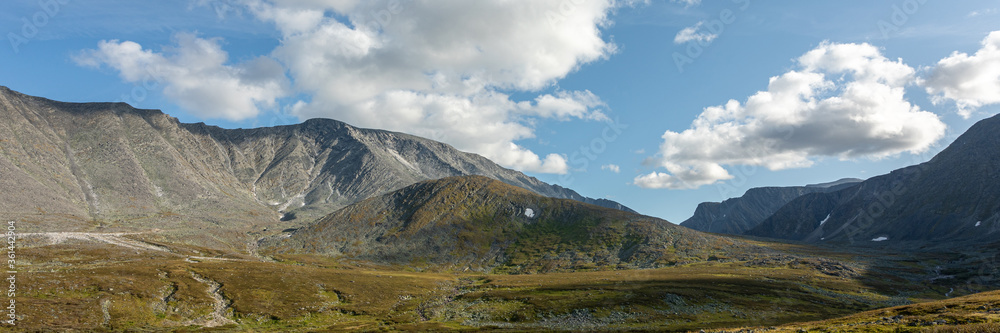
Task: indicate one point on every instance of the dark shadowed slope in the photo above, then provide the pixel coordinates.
(81, 165)
(955, 196)
(481, 223)
(738, 215)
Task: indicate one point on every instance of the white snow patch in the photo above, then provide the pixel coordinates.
(158, 190)
(979, 223)
(880, 239)
(826, 219)
(529, 213)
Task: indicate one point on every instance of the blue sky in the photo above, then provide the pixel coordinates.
(579, 93)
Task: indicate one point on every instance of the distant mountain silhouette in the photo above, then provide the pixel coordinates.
(955, 196)
(738, 215)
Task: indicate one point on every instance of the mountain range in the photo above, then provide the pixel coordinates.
(737, 215)
(954, 197)
(87, 166)
(133, 220)
(80, 166)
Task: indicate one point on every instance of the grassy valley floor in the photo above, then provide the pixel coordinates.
(90, 284)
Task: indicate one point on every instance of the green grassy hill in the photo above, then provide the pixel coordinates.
(474, 222)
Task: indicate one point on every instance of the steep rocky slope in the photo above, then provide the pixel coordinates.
(738, 215)
(479, 223)
(84, 165)
(955, 196)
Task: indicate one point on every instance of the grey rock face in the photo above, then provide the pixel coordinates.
(75, 165)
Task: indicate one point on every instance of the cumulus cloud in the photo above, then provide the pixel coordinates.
(566, 105)
(195, 75)
(447, 70)
(971, 81)
(692, 34)
(611, 167)
(843, 100)
(444, 69)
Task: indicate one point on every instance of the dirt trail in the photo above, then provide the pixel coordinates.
(220, 305)
(116, 238)
(220, 315)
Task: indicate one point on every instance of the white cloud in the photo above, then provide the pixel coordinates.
(611, 167)
(565, 105)
(684, 177)
(844, 100)
(692, 34)
(970, 81)
(981, 12)
(444, 69)
(195, 75)
(688, 3)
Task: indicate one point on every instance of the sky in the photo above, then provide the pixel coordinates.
(659, 105)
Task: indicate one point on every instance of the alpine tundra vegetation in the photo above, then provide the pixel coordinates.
(500, 165)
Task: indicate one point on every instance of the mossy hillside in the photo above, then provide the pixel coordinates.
(477, 223)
